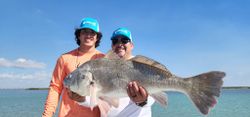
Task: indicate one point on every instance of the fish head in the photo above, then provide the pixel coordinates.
(79, 81)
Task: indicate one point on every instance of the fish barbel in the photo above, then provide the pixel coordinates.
(110, 77)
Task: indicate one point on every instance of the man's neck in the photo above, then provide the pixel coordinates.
(87, 49)
(128, 56)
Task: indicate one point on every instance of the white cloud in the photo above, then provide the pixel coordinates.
(21, 63)
(26, 76)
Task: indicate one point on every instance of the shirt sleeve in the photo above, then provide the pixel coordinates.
(150, 102)
(55, 89)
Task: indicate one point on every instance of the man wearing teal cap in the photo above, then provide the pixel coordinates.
(122, 35)
(138, 104)
(87, 37)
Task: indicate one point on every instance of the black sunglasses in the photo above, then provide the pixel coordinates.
(122, 40)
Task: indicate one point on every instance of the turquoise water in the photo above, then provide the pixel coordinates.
(29, 103)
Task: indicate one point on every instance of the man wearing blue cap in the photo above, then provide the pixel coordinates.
(87, 37)
(139, 103)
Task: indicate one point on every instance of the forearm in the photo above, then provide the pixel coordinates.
(51, 102)
(55, 89)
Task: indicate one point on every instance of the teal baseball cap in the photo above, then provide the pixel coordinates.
(122, 32)
(90, 23)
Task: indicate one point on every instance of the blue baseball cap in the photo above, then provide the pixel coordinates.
(122, 32)
(90, 23)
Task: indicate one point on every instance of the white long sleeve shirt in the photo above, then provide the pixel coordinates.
(128, 108)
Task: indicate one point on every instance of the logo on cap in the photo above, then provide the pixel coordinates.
(122, 31)
(90, 23)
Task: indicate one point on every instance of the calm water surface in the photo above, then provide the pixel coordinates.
(30, 103)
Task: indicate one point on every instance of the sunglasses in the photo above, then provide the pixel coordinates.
(121, 40)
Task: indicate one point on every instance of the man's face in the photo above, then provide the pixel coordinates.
(88, 37)
(121, 45)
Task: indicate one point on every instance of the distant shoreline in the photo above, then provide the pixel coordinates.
(239, 87)
(36, 88)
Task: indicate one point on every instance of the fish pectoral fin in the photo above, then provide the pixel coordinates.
(93, 101)
(104, 108)
(111, 101)
(161, 98)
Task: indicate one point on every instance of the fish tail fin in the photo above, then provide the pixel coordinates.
(204, 90)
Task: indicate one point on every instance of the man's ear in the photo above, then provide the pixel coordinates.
(132, 45)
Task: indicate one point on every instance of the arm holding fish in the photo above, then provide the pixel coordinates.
(55, 90)
(82, 100)
(75, 96)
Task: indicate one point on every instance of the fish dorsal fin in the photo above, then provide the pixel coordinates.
(111, 55)
(149, 61)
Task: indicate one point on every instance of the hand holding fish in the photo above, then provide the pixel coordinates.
(75, 96)
(102, 105)
(137, 93)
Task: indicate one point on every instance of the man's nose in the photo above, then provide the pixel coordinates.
(119, 42)
(88, 35)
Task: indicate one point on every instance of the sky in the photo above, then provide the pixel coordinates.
(189, 37)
